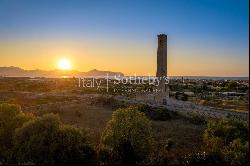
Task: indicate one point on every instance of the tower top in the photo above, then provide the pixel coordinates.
(162, 35)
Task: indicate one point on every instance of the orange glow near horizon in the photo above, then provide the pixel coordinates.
(127, 57)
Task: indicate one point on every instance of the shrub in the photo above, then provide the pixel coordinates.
(229, 138)
(237, 152)
(222, 132)
(11, 117)
(164, 114)
(143, 107)
(104, 156)
(46, 140)
(128, 135)
(159, 114)
(195, 119)
(161, 153)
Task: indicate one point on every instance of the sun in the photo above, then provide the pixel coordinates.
(64, 64)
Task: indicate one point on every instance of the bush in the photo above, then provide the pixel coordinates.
(229, 138)
(164, 114)
(11, 117)
(195, 119)
(158, 114)
(237, 153)
(161, 153)
(128, 135)
(222, 132)
(104, 156)
(46, 141)
(143, 107)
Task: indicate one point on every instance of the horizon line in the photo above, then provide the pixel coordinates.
(125, 75)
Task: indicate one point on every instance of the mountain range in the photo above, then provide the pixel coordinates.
(19, 72)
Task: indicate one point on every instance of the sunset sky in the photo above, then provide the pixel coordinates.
(205, 37)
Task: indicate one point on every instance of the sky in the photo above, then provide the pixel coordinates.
(205, 37)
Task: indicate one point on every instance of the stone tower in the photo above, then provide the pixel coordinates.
(162, 56)
(161, 72)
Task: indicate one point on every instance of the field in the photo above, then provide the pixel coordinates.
(177, 135)
(187, 137)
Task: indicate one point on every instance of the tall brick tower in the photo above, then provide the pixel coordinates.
(162, 67)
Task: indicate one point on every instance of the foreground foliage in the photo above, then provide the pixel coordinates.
(42, 140)
(11, 117)
(127, 139)
(46, 141)
(229, 139)
(128, 135)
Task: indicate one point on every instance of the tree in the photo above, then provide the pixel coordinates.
(11, 117)
(128, 135)
(45, 140)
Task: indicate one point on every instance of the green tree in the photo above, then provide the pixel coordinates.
(128, 135)
(11, 117)
(45, 140)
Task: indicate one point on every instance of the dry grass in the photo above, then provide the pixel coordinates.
(187, 136)
(92, 118)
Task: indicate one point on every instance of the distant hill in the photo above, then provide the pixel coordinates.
(19, 72)
(96, 72)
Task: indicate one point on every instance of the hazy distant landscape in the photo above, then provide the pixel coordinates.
(19, 72)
